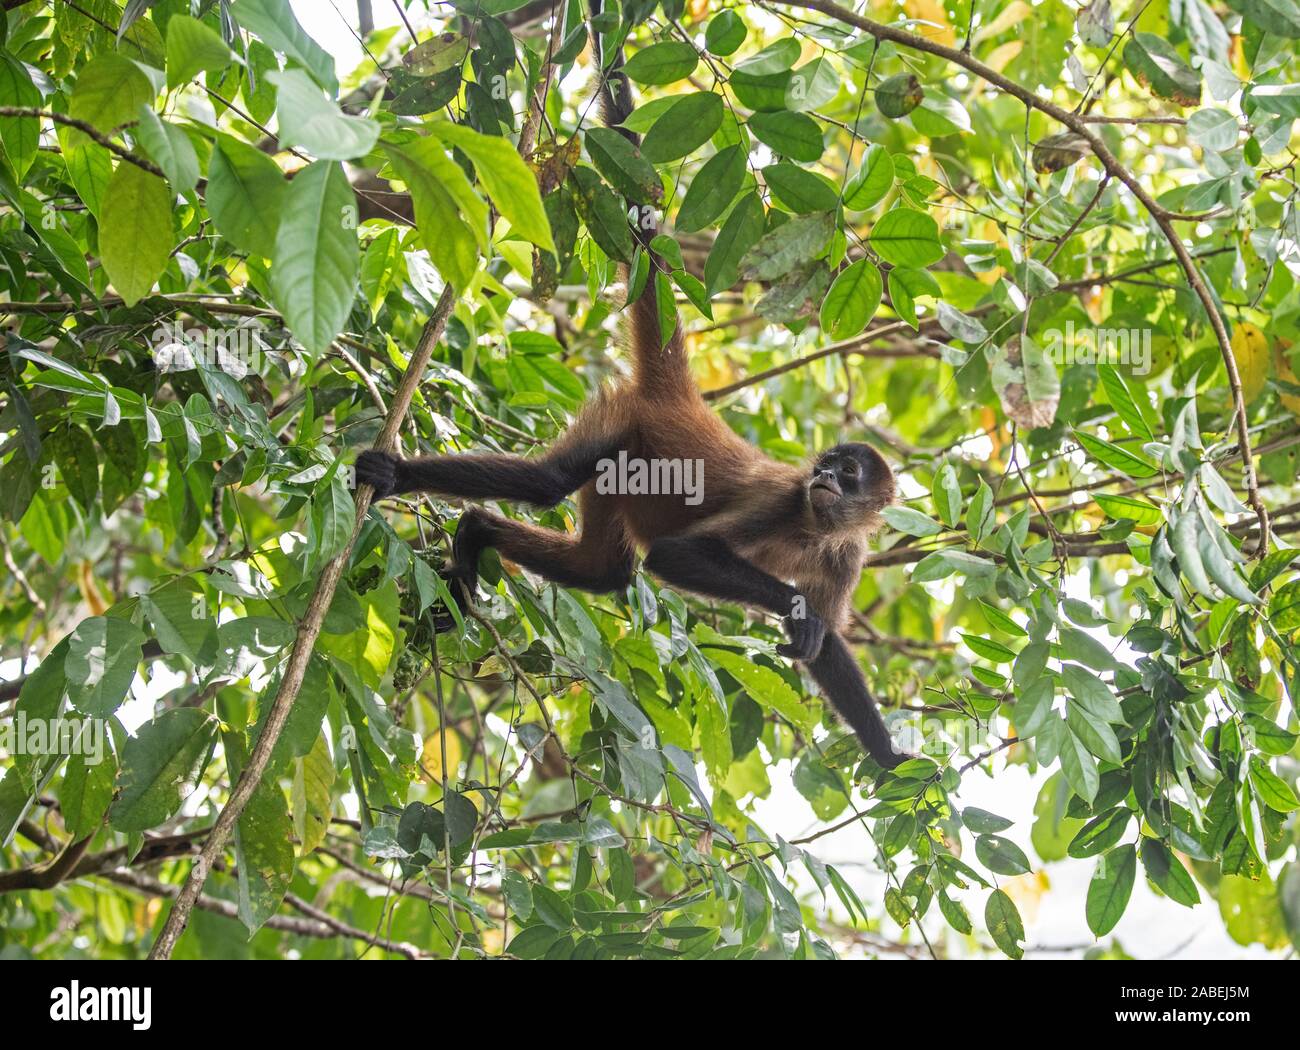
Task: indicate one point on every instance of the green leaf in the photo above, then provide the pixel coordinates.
(263, 853)
(450, 216)
(156, 763)
(622, 164)
(725, 33)
(87, 788)
(1168, 873)
(20, 136)
(135, 234)
(181, 621)
(794, 135)
(662, 63)
(103, 653)
(944, 563)
(766, 687)
(603, 215)
(905, 287)
(108, 93)
(712, 189)
(1213, 129)
(314, 272)
(874, 179)
(740, 232)
(800, 190)
(946, 493)
(1271, 789)
(1092, 693)
(310, 795)
(1001, 855)
(1156, 64)
(274, 23)
(436, 55)
(990, 650)
(1121, 400)
(1079, 767)
(1139, 511)
(1003, 921)
(245, 193)
(812, 85)
(316, 124)
(906, 237)
(170, 149)
(1095, 732)
(1110, 889)
(508, 180)
(1114, 456)
(852, 300)
(684, 127)
(982, 822)
(786, 247)
(192, 48)
(909, 521)
(1276, 16)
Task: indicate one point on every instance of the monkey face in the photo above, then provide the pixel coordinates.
(850, 482)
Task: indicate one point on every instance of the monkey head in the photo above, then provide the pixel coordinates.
(849, 484)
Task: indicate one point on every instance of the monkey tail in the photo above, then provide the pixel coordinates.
(659, 359)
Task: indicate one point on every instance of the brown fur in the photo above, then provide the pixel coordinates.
(757, 504)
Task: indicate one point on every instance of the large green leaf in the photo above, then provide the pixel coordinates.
(316, 124)
(507, 179)
(906, 237)
(246, 194)
(683, 128)
(135, 234)
(451, 217)
(274, 22)
(193, 48)
(157, 764)
(316, 255)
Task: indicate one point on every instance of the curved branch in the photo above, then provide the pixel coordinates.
(87, 129)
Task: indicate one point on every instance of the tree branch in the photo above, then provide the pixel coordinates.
(88, 129)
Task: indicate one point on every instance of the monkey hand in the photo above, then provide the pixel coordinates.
(381, 471)
(806, 633)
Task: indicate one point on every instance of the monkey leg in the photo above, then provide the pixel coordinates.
(598, 559)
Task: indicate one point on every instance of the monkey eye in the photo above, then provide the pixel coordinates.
(850, 467)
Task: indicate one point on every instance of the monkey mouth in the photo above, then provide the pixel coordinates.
(823, 492)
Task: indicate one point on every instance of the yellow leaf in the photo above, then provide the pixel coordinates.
(1250, 350)
(431, 757)
(1014, 14)
(1000, 57)
(1286, 375)
(941, 31)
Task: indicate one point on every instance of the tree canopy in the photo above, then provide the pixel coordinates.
(1043, 256)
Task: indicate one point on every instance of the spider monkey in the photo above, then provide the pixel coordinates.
(785, 539)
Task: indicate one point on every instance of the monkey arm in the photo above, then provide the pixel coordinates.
(543, 481)
(707, 565)
(841, 680)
